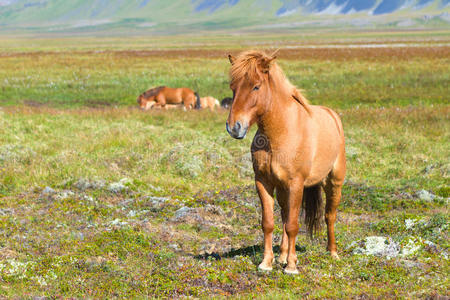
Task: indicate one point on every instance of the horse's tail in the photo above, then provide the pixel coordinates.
(312, 205)
(197, 103)
(216, 103)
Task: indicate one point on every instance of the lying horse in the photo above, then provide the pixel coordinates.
(146, 100)
(161, 96)
(209, 102)
(226, 102)
(297, 150)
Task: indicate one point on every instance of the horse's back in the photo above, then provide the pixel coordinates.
(328, 119)
(187, 92)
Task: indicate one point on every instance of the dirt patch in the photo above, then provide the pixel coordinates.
(307, 53)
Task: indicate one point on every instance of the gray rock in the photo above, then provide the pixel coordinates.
(6, 211)
(126, 202)
(245, 164)
(183, 212)
(48, 191)
(174, 247)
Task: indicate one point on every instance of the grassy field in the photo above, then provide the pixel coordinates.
(99, 199)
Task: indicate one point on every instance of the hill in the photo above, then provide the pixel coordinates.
(194, 15)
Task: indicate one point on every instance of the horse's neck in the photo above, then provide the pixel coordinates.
(282, 118)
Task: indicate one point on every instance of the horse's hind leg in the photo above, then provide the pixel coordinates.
(332, 188)
(189, 102)
(295, 197)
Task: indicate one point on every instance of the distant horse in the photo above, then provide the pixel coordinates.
(226, 102)
(151, 105)
(297, 150)
(146, 100)
(161, 96)
(209, 102)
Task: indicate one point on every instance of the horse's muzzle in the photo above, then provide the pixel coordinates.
(238, 131)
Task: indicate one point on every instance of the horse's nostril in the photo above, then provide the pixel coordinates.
(238, 125)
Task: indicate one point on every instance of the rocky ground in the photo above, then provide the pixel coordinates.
(210, 244)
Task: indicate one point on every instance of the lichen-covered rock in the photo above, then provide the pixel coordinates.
(425, 195)
(378, 246)
(120, 186)
(411, 247)
(182, 213)
(84, 184)
(245, 165)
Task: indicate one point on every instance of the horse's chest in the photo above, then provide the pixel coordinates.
(270, 166)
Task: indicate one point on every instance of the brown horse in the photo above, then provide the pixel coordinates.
(209, 102)
(297, 150)
(161, 96)
(146, 100)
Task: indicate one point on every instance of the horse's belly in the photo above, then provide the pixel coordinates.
(320, 168)
(316, 178)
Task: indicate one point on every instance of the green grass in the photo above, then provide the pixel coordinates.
(85, 239)
(71, 79)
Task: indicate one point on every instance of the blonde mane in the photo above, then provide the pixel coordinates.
(252, 64)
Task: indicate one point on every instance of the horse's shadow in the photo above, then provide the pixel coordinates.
(250, 251)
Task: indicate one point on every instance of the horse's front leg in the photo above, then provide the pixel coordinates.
(282, 197)
(294, 204)
(265, 192)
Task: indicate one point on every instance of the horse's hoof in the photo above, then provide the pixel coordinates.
(282, 260)
(291, 271)
(264, 268)
(335, 256)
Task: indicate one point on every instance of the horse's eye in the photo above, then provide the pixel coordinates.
(256, 88)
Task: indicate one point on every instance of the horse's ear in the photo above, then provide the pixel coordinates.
(266, 63)
(275, 53)
(231, 58)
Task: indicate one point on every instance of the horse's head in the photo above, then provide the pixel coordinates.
(144, 102)
(251, 91)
